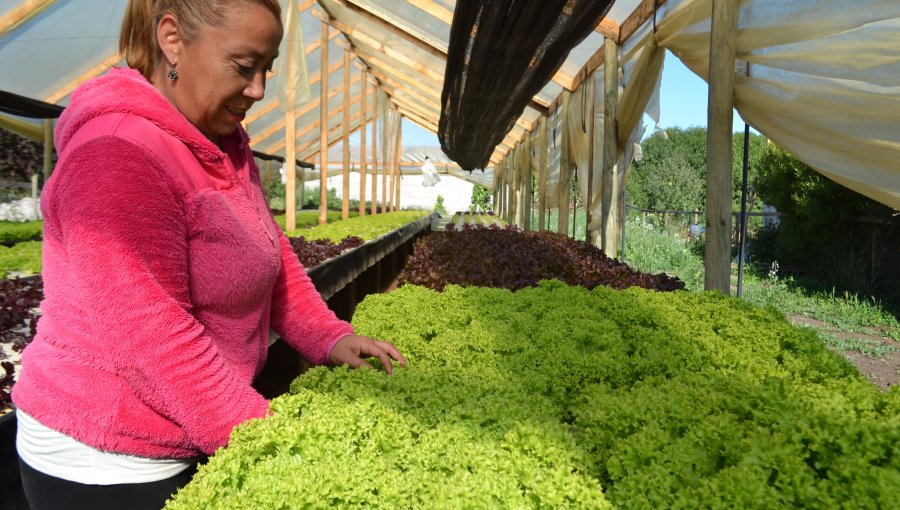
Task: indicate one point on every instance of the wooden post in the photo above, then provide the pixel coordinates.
(595, 156)
(544, 164)
(48, 165)
(385, 149)
(565, 167)
(515, 190)
(34, 195)
(398, 152)
(345, 174)
(609, 231)
(395, 118)
(362, 142)
(48, 149)
(719, 167)
(374, 209)
(526, 185)
(323, 135)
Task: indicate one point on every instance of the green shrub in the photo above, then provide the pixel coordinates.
(14, 231)
(24, 257)
(821, 235)
(538, 398)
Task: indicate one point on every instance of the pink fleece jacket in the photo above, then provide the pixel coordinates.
(163, 273)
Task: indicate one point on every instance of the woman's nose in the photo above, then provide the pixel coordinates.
(256, 89)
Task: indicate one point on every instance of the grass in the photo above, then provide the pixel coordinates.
(655, 249)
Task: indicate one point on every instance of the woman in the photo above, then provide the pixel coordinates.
(163, 268)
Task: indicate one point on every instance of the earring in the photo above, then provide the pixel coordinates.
(173, 74)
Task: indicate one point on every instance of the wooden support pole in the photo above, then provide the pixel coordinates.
(385, 152)
(527, 200)
(345, 173)
(48, 148)
(609, 232)
(395, 160)
(596, 101)
(544, 169)
(323, 127)
(398, 151)
(362, 143)
(515, 190)
(374, 209)
(565, 167)
(719, 125)
(290, 171)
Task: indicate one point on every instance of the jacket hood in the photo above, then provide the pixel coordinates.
(127, 91)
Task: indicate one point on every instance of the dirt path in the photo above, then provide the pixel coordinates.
(883, 371)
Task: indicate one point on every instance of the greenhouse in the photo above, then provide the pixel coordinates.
(550, 364)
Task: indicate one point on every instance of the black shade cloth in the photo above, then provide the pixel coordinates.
(26, 107)
(502, 52)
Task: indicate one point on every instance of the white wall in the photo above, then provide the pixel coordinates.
(457, 193)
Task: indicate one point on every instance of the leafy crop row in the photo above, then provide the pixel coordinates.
(19, 300)
(512, 259)
(312, 253)
(306, 219)
(366, 227)
(561, 397)
(12, 232)
(24, 257)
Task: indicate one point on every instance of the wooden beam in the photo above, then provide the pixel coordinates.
(430, 88)
(722, 45)
(273, 104)
(19, 15)
(641, 14)
(359, 37)
(93, 72)
(433, 8)
(409, 91)
(306, 108)
(312, 126)
(608, 28)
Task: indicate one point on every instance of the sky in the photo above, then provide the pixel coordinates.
(683, 100)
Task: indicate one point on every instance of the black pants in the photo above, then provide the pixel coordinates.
(45, 492)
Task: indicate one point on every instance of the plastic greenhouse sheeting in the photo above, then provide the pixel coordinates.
(816, 76)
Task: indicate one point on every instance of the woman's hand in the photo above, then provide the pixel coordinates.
(353, 349)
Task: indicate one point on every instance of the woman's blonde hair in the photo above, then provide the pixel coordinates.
(137, 39)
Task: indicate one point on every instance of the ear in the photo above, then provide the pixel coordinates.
(168, 35)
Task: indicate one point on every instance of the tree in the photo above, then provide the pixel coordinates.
(481, 199)
(679, 155)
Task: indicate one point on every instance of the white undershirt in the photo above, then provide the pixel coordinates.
(57, 454)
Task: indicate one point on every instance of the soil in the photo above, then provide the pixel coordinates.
(882, 371)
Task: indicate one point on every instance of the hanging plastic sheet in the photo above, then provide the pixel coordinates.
(825, 88)
(429, 174)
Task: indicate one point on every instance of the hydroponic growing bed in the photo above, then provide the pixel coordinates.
(561, 397)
